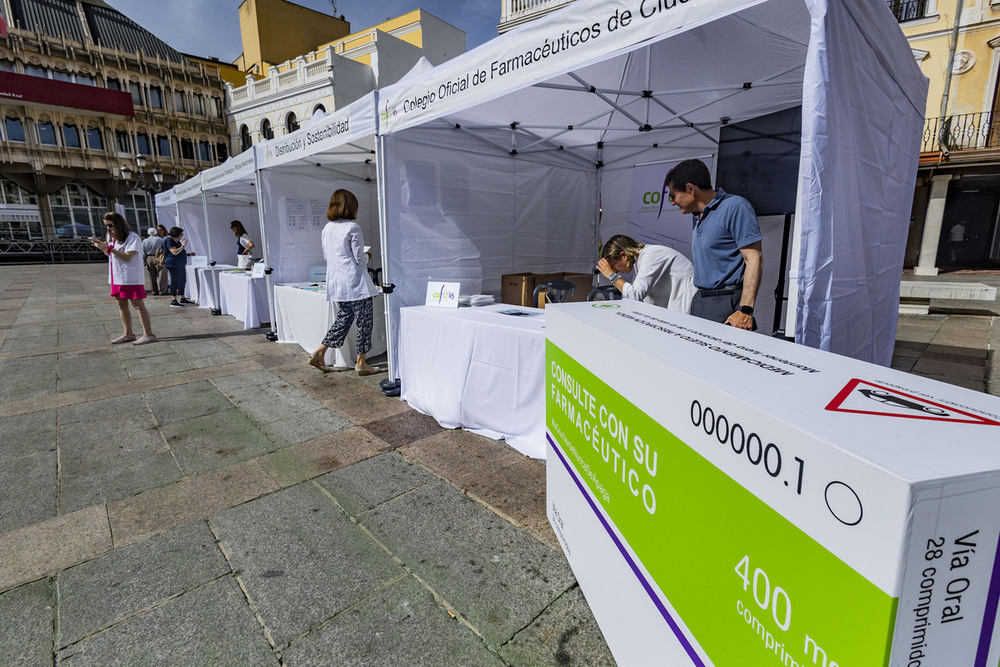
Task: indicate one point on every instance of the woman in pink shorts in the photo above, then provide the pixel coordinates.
(124, 249)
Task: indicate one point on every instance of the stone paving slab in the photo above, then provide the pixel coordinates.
(89, 368)
(117, 481)
(24, 435)
(210, 625)
(404, 428)
(107, 438)
(565, 633)
(266, 398)
(369, 483)
(27, 378)
(303, 427)
(27, 619)
(190, 499)
(365, 405)
(28, 490)
(79, 396)
(493, 472)
(215, 441)
(75, 333)
(307, 460)
(40, 550)
(98, 594)
(301, 560)
(186, 401)
(496, 576)
(414, 630)
(162, 364)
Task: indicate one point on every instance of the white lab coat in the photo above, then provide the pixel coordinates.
(347, 276)
(663, 277)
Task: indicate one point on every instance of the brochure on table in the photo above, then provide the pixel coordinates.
(725, 498)
(258, 270)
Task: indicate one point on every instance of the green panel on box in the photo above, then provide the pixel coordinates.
(752, 588)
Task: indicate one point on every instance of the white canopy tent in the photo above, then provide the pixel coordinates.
(166, 209)
(299, 172)
(229, 192)
(506, 157)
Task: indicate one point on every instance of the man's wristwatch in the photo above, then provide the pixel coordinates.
(746, 310)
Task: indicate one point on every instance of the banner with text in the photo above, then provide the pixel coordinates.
(589, 31)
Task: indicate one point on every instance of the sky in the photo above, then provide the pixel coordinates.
(211, 28)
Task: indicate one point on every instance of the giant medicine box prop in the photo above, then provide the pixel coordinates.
(730, 499)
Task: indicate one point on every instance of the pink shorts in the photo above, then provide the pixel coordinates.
(128, 291)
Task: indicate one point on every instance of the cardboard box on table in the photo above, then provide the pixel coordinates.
(518, 288)
(730, 499)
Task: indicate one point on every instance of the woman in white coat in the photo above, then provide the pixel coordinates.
(663, 276)
(125, 273)
(347, 281)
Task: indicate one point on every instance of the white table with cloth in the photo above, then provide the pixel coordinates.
(205, 286)
(478, 369)
(304, 316)
(191, 283)
(243, 297)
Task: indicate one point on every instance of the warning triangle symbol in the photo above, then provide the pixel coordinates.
(867, 398)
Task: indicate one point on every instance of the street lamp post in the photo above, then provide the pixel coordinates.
(148, 182)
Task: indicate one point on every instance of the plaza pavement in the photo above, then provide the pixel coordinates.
(212, 500)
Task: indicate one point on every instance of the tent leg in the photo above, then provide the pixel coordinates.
(779, 288)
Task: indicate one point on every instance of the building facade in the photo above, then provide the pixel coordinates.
(957, 199)
(84, 93)
(338, 68)
(518, 12)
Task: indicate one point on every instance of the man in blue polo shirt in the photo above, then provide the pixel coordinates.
(725, 246)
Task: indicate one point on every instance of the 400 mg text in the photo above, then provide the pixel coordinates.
(745, 443)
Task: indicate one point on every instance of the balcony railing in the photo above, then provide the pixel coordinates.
(963, 132)
(517, 12)
(908, 10)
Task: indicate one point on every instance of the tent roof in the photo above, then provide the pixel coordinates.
(670, 80)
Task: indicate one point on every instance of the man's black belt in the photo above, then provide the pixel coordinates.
(726, 289)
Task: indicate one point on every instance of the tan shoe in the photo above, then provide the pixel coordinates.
(365, 369)
(316, 363)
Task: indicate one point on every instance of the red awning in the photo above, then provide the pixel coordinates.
(39, 90)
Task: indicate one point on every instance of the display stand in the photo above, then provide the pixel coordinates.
(726, 498)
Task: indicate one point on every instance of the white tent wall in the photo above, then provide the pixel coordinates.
(191, 218)
(463, 210)
(861, 135)
(294, 200)
(221, 212)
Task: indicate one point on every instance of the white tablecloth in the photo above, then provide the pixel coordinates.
(191, 284)
(244, 298)
(477, 369)
(305, 316)
(208, 284)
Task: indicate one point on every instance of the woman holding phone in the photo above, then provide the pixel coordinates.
(125, 273)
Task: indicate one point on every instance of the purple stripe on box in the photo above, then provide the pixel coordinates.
(990, 613)
(695, 658)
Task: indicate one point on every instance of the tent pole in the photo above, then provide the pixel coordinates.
(211, 275)
(271, 335)
(391, 385)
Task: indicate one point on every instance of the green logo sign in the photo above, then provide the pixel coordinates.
(605, 305)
